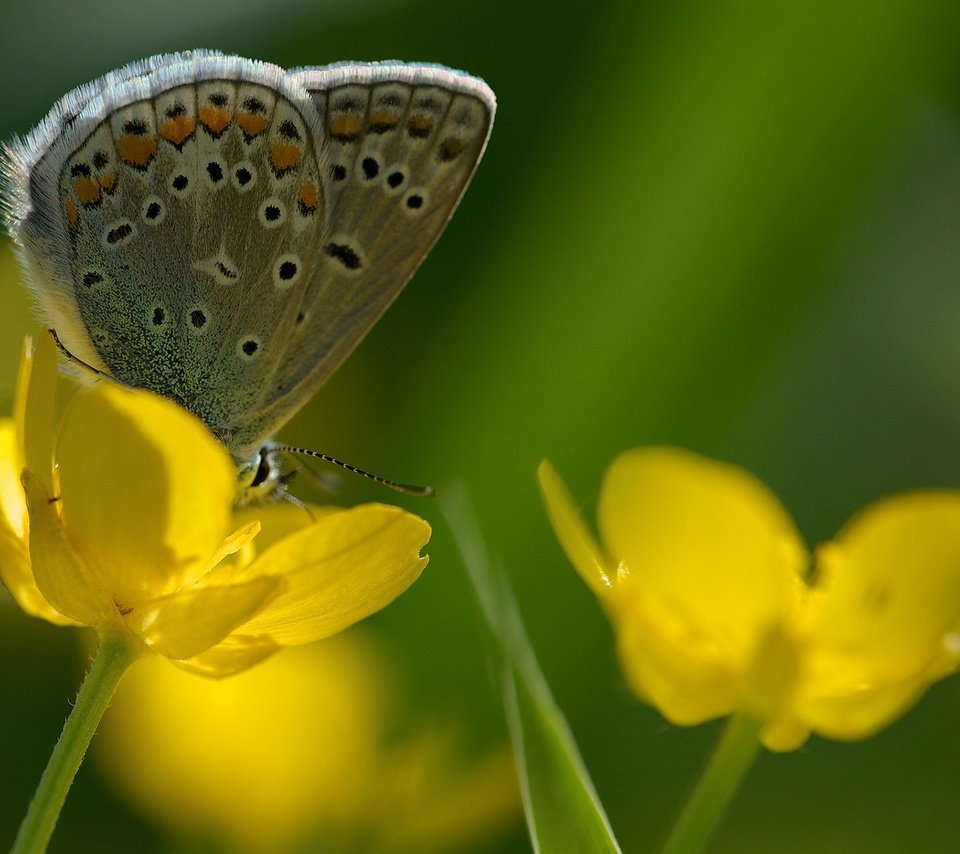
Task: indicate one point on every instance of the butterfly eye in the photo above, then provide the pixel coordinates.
(264, 469)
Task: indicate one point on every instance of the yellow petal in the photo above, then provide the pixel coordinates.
(235, 654)
(860, 714)
(16, 576)
(704, 542)
(59, 572)
(15, 572)
(273, 522)
(147, 491)
(342, 568)
(218, 570)
(192, 621)
(891, 585)
(575, 538)
(784, 734)
(281, 519)
(886, 617)
(34, 409)
(772, 682)
(13, 508)
(672, 666)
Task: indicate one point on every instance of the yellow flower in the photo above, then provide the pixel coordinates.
(125, 524)
(300, 750)
(718, 607)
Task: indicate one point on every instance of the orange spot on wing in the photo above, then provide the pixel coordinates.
(381, 122)
(214, 119)
(251, 124)
(108, 181)
(346, 128)
(420, 126)
(283, 156)
(450, 149)
(136, 149)
(87, 190)
(177, 129)
(73, 215)
(308, 197)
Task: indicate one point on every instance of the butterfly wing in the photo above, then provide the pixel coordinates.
(402, 143)
(161, 215)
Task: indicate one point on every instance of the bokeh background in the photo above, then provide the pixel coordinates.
(731, 226)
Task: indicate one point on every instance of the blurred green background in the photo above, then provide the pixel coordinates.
(731, 226)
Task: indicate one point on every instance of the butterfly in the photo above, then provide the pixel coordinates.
(224, 232)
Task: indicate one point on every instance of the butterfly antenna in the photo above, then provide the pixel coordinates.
(405, 488)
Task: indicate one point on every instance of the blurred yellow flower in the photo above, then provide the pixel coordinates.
(296, 751)
(125, 523)
(718, 607)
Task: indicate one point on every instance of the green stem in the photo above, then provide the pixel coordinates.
(738, 747)
(112, 659)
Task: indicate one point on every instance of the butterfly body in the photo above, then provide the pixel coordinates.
(224, 232)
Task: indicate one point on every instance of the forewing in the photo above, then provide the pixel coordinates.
(178, 218)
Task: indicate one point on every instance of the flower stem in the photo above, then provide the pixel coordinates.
(110, 663)
(734, 754)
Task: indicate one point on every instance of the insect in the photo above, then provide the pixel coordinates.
(224, 232)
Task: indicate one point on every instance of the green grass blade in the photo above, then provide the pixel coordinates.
(562, 808)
